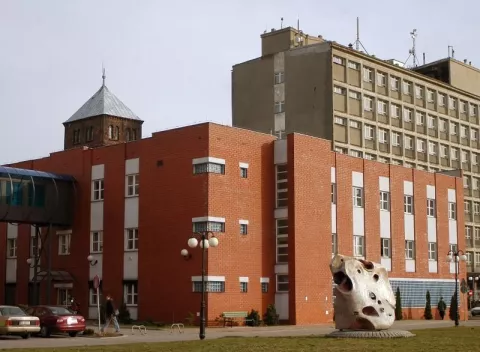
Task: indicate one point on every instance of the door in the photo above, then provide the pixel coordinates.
(10, 294)
(64, 296)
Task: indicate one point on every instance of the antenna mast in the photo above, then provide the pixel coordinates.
(103, 75)
(357, 42)
(412, 52)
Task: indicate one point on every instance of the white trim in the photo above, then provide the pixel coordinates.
(64, 232)
(243, 165)
(265, 280)
(208, 278)
(208, 159)
(243, 222)
(243, 279)
(70, 285)
(420, 279)
(208, 218)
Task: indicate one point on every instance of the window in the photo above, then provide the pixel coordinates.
(381, 79)
(466, 207)
(466, 182)
(131, 237)
(430, 96)
(367, 75)
(128, 135)
(243, 287)
(432, 148)
(452, 211)
(420, 145)
(64, 296)
(476, 233)
(35, 245)
(409, 249)
(431, 207)
(358, 197)
(210, 286)
(468, 260)
(452, 103)
(340, 120)
(358, 246)
(93, 297)
(64, 244)
(333, 193)
(473, 110)
(464, 155)
(264, 287)
(468, 232)
(338, 60)
(443, 151)
(407, 88)
(394, 83)
(89, 134)
(453, 247)
(130, 293)
(454, 153)
(473, 134)
(453, 128)
(441, 99)
(408, 142)
(408, 204)
(355, 153)
(353, 65)
(381, 107)
(431, 121)
(96, 240)
(334, 244)
(132, 185)
(98, 190)
(419, 92)
(282, 240)
(369, 132)
(407, 115)
(279, 77)
(354, 95)
(367, 103)
(134, 134)
(282, 283)
(432, 251)
(339, 90)
(385, 247)
(384, 201)
(282, 186)
(213, 168)
(395, 139)
(243, 172)
(110, 132)
(383, 136)
(279, 107)
(76, 136)
(243, 229)
(354, 124)
(394, 111)
(213, 226)
(476, 208)
(11, 248)
(463, 131)
(463, 107)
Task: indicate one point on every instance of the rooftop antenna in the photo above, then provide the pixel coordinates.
(298, 23)
(358, 43)
(451, 51)
(412, 52)
(281, 23)
(103, 75)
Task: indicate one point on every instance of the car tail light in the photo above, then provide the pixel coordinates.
(8, 322)
(37, 322)
(60, 320)
(82, 319)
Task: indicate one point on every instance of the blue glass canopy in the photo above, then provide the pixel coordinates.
(13, 171)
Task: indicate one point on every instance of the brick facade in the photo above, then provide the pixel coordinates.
(171, 195)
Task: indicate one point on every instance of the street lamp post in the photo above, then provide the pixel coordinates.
(456, 257)
(207, 239)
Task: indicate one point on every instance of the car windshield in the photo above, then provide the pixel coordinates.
(12, 311)
(59, 311)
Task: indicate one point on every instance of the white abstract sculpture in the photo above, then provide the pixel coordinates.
(364, 298)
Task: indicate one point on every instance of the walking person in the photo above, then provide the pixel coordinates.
(442, 307)
(110, 315)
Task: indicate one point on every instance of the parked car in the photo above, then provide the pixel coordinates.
(475, 311)
(57, 319)
(14, 321)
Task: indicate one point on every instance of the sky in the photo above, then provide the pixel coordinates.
(170, 61)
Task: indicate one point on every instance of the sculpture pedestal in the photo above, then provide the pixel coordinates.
(374, 334)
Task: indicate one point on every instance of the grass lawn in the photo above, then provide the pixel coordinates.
(446, 339)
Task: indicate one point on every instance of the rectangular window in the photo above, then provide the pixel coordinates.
(408, 204)
(130, 293)
(35, 245)
(408, 142)
(431, 207)
(279, 107)
(64, 244)
(210, 286)
(367, 75)
(394, 111)
(395, 139)
(432, 251)
(419, 92)
(420, 118)
(381, 79)
(384, 200)
(381, 107)
(354, 95)
(431, 121)
(466, 207)
(11, 248)
(407, 115)
(243, 229)
(407, 88)
(367, 103)
(279, 77)
(430, 96)
(213, 168)
(243, 287)
(385, 247)
(132, 185)
(409, 249)
(64, 296)
(93, 297)
(420, 145)
(339, 90)
(468, 232)
(282, 186)
(353, 65)
(394, 83)
(131, 239)
(334, 244)
(338, 60)
(214, 226)
(282, 283)
(358, 197)
(369, 134)
(358, 249)
(98, 190)
(383, 136)
(264, 287)
(333, 193)
(96, 240)
(243, 172)
(282, 240)
(432, 148)
(452, 211)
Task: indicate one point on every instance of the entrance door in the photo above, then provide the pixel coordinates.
(10, 294)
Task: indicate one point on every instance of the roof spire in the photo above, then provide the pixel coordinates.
(103, 75)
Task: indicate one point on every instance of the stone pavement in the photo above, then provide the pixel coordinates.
(153, 336)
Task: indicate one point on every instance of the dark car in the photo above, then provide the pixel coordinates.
(57, 319)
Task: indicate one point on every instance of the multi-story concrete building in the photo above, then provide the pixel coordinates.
(425, 118)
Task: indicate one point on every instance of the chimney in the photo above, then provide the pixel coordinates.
(465, 61)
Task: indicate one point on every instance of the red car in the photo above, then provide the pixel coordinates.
(57, 319)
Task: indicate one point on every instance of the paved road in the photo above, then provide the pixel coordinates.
(213, 333)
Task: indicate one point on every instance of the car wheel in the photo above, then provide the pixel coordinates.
(73, 333)
(44, 332)
(25, 336)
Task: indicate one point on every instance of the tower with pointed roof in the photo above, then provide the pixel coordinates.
(103, 120)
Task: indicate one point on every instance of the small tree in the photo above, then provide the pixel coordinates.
(398, 305)
(428, 308)
(453, 311)
(253, 318)
(271, 317)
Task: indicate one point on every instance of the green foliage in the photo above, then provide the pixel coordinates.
(253, 318)
(271, 317)
(124, 314)
(428, 308)
(398, 305)
(453, 311)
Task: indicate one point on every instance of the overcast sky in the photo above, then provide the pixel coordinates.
(170, 61)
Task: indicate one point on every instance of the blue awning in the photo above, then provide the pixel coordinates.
(13, 171)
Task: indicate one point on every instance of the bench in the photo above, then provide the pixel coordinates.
(229, 317)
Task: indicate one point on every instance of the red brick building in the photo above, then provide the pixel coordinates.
(280, 209)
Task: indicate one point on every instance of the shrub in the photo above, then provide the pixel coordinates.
(124, 314)
(453, 311)
(271, 316)
(88, 332)
(398, 305)
(253, 318)
(428, 308)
